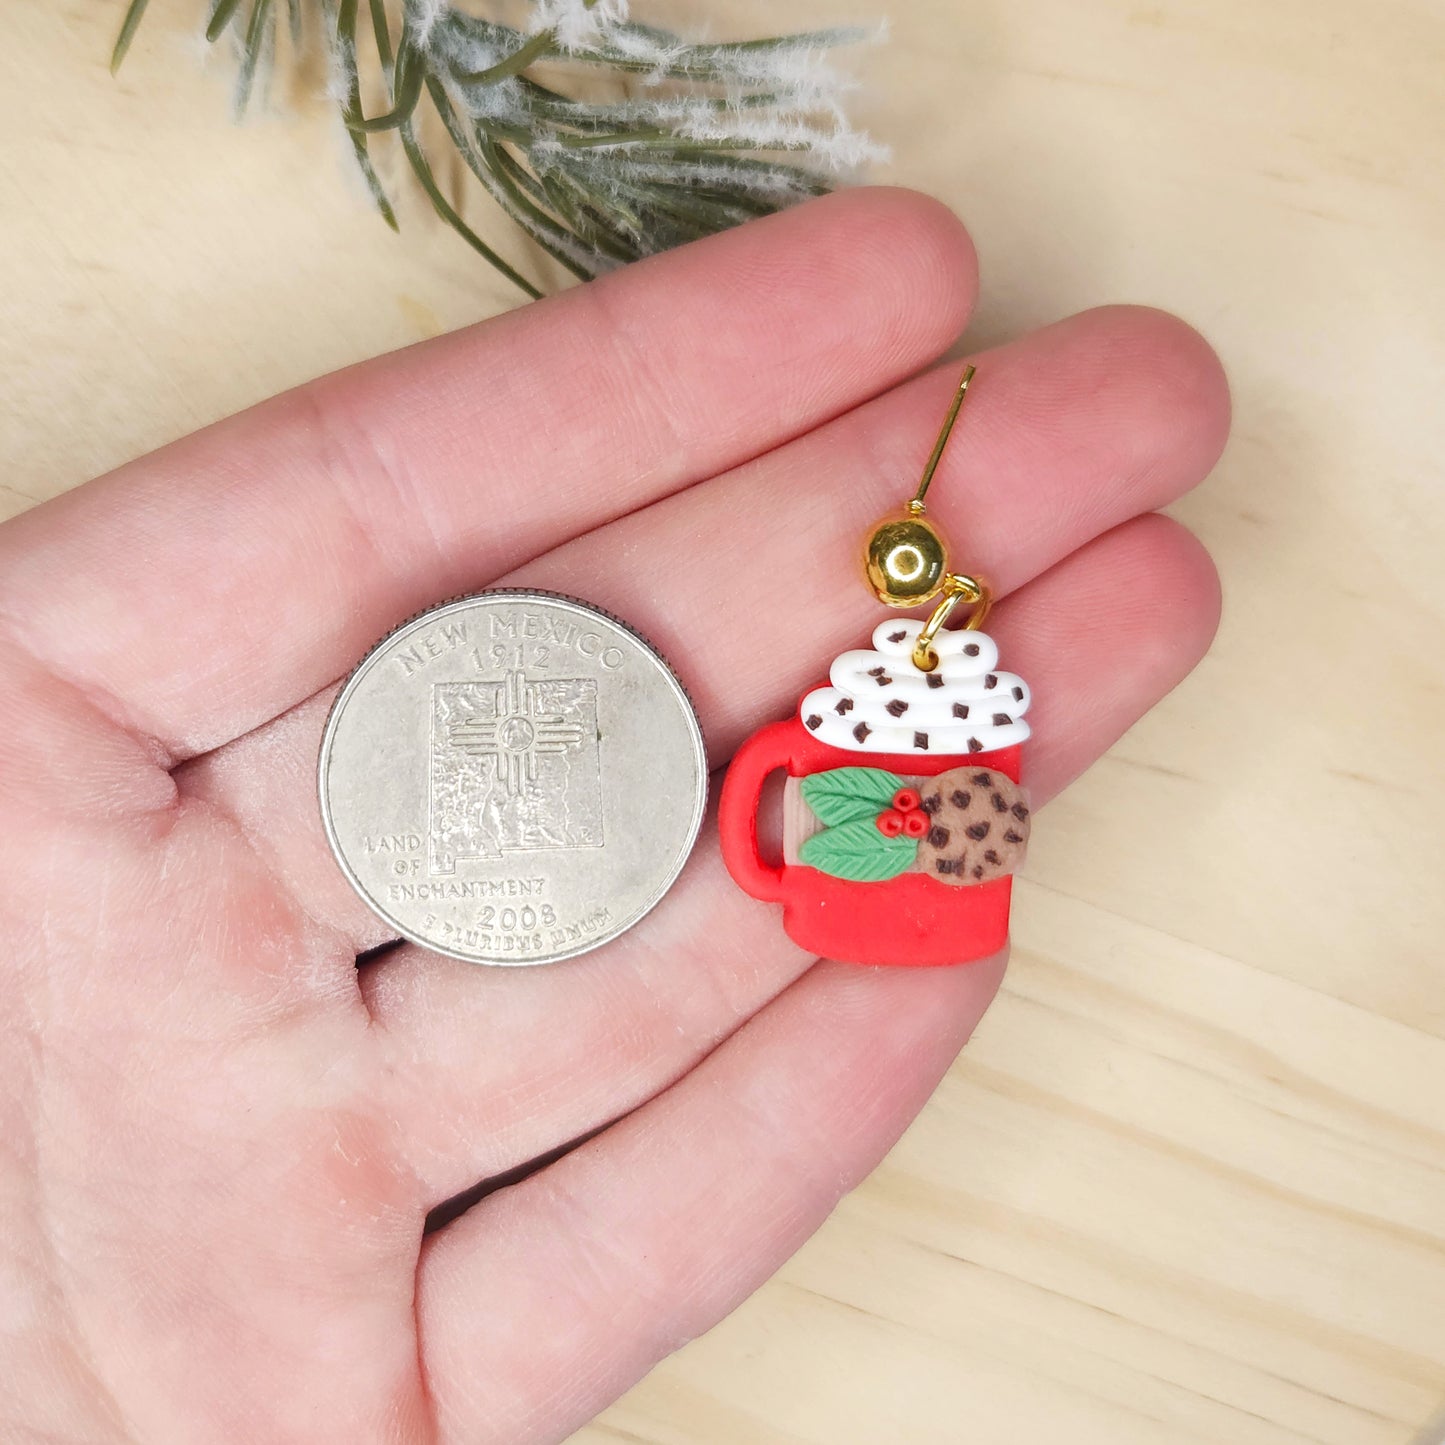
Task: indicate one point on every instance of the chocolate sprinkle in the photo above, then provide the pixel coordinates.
(934, 679)
(1013, 837)
(897, 707)
(920, 740)
(1018, 694)
(960, 709)
(861, 731)
(845, 705)
(1020, 812)
(1001, 719)
(990, 682)
(813, 721)
(961, 799)
(999, 805)
(977, 831)
(992, 857)
(974, 746)
(879, 676)
(938, 837)
(971, 650)
(897, 636)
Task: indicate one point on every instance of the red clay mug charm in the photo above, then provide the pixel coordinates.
(903, 818)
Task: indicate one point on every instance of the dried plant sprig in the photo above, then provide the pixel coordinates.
(705, 136)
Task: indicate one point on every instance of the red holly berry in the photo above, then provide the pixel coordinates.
(906, 800)
(915, 824)
(890, 823)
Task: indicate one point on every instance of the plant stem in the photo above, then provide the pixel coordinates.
(220, 18)
(658, 138)
(445, 210)
(410, 77)
(486, 167)
(251, 58)
(128, 28)
(346, 45)
(514, 64)
(382, 32)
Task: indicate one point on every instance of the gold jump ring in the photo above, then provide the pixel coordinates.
(956, 588)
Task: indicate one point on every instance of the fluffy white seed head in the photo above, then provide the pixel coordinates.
(425, 16)
(577, 23)
(837, 145)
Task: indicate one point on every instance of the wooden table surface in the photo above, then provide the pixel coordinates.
(1188, 1182)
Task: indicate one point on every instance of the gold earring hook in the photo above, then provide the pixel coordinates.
(916, 506)
(906, 558)
(956, 587)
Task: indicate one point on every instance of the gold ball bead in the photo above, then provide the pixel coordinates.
(905, 560)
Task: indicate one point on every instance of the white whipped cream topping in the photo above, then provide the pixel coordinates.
(879, 702)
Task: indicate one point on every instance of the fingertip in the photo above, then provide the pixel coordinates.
(1105, 635)
(921, 242)
(893, 263)
(1185, 578)
(1159, 589)
(1179, 392)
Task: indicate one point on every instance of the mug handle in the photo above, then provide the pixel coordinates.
(768, 749)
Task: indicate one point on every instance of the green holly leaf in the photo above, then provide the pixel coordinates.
(843, 794)
(858, 852)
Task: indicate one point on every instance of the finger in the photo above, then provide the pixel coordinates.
(648, 1235)
(1072, 430)
(1068, 432)
(201, 591)
(492, 1067)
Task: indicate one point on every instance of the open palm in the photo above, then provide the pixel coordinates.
(220, 1138)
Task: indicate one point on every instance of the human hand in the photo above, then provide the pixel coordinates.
(219, 1138)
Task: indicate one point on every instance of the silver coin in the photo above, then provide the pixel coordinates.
(512, 778)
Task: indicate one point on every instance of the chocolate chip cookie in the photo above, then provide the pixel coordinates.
(978, 826)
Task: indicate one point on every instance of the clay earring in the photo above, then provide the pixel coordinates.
(903, 818)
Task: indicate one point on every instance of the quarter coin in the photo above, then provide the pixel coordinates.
(512, 778)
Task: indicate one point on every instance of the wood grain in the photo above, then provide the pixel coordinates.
(1188, 1182)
